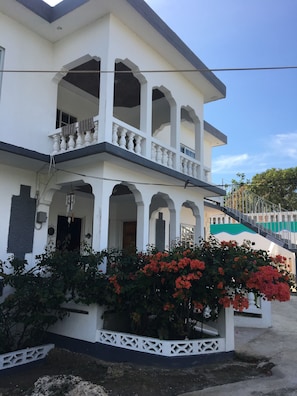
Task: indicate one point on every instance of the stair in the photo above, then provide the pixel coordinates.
(250, 210)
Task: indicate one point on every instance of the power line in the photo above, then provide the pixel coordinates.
(227, 69)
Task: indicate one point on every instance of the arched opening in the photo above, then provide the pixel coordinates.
(78, 92)
(161, 116)
(190, 232)
(161, 212)
(189, 133)
(70, 224)
(122, 219)
(127, 93)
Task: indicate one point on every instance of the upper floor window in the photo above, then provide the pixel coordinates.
(64, 119)
(1, 65)
(186, 150)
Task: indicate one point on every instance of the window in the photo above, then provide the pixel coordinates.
(64, 119)
(186, 150)
(1, 65)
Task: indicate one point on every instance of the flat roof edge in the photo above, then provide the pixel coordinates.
(215, 132)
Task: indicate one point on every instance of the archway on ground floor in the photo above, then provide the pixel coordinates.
(123, 204)
(70, 222)
(190, 224)
(162, 221)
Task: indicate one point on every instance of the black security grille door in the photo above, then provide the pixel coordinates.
(68, 234)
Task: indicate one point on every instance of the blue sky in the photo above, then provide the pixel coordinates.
(259, 114)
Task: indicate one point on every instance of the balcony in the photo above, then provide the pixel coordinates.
(85, 133)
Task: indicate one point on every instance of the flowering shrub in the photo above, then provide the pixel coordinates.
(167, 294)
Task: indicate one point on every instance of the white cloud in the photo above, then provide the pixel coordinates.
(227, 163)
(285, 144)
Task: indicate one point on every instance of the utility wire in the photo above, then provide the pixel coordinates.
(231, 69)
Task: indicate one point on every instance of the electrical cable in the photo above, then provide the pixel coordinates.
(199, 70)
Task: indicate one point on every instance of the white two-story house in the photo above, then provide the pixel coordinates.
(102, 133)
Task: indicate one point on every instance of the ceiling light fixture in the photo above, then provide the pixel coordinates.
(52, 3)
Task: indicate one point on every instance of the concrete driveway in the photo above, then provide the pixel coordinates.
(278, 344)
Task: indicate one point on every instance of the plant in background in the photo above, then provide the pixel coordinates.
(38, 293)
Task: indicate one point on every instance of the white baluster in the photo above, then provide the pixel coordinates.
(154, 152)
(88, 138)
(190, 168)
(196, 171)
(63, 145)
(170, 159)
(138, 140)
(159, 154)
(71, 142)
(186, 164)
(95, 133)
(115, 134)
(56, 144)
(123, 138)
(165, 157)
(79, 140)
(182, 164)
(131, 141)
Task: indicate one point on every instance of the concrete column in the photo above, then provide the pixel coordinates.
(175, 133)
(106, 100)
(146, 115)
(199, 147)
(102, 190)
(142, 236)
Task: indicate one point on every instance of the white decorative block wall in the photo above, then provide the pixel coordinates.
(23, 356)
(161, 347)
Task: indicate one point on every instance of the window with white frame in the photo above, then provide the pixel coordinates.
(1, 66)
(64, 118)
(187, 234)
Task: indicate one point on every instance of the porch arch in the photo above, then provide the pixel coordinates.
(190, 223)
(126, 218)
(128, 84)
(162, 221)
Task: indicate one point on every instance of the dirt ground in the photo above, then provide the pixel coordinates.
(123, 379)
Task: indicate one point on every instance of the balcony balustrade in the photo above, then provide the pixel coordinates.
(84, 133)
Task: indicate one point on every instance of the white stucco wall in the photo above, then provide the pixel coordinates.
(28, 100)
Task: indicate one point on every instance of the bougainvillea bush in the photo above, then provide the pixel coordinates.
(167, 294)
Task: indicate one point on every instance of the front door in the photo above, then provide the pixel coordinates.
(129, 235)
(68, 233)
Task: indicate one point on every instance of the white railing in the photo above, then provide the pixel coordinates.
(128, 138)
(163, 155)
(75, 136)
(23, 356)
(189, 167)
(84, 133)
(161, 347)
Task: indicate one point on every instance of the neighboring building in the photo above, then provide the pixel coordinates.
(225, 228)
(102, 138)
